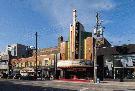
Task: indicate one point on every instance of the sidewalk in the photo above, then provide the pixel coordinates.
(75, 80)
(103, 83)
(116, 83)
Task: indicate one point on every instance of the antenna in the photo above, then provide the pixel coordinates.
(99, 28)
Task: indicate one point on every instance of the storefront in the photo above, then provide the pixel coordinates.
(118, 63)
(27, 71)
(124, 66)
(45, 71)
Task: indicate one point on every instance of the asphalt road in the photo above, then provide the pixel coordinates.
(15, 85)
(24, 85)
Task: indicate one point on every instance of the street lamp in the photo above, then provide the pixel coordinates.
(55, 65)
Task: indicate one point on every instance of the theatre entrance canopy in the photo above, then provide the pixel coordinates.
(74, 63)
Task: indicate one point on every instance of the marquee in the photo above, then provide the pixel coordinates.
(73, 63)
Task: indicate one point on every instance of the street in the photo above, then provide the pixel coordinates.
(18, 85)
(57, 85)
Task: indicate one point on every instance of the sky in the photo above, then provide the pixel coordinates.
(20, 19)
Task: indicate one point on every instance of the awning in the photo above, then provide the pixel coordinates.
(27, 70)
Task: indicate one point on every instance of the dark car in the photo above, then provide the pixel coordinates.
(4, 76)
(17, 76)
(1, 75)
(28, 78)
(11, 76)
(130, 76)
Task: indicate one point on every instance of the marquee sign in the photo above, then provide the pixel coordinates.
(73, 63)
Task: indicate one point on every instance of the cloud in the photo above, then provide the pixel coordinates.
(105, 5)
(60, 11)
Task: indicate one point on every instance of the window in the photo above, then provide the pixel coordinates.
(30, 64)
(26, 64)
(46, 62)
(17, 65)
(21, 64)
(40, 63)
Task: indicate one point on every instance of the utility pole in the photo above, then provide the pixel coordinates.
(55, 66)
(36, 54)
(95, 64)
(9, 63)
(97, 32)
(95, 48)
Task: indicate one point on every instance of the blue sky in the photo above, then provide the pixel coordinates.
(20, 19)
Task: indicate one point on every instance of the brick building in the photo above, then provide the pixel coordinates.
(88, 48)
(64, 50)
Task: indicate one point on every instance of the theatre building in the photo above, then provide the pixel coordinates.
(77, 53)
(72, 52)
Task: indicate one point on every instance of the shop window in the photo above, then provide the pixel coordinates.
(40, 63)
(46, 62)
(30, 64)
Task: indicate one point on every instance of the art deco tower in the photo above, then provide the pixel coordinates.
(75, 44)
(72, 36)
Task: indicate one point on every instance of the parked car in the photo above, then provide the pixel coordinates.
(1, 75)
(17, 76)
(130, 76)
(11, 76)
(28, 78)
(4, 75)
